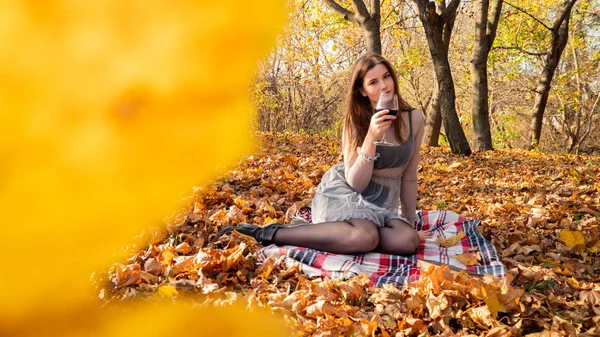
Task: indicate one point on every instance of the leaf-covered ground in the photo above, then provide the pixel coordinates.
(542, 212)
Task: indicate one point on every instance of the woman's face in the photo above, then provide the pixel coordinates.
(376, 81)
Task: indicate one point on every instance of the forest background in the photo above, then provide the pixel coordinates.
(300, 87)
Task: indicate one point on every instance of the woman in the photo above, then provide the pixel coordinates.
(355, 209)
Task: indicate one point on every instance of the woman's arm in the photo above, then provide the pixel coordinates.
(359, 169)
(408, 189)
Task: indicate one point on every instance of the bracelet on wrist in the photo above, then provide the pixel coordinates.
(365, 157)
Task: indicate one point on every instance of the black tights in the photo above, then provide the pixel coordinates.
(356, 236)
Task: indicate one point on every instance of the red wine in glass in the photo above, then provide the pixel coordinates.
(393, 112)
(387, 101)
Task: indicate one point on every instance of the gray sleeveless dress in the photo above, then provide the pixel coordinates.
(335, 200)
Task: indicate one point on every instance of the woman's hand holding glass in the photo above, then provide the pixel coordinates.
(380, 122)
(387, 102)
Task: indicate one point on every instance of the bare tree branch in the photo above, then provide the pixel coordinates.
(528, 14)
(376, 8)
(567, 6)
(422, 5)
(519, 49)
(450, 10)
(361, 9)
(595, 103)
(492, 24)
(341, 10)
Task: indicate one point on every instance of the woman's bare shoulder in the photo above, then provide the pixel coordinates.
(418, 117)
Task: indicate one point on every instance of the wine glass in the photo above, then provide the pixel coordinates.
(387, 101)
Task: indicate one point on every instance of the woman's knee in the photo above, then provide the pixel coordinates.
(404, 240)
(363, 238)
(413, 240)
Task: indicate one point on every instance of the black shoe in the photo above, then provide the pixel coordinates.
(264, 235)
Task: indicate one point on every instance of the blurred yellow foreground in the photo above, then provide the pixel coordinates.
(110, 111)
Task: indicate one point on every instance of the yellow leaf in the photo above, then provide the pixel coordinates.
(291, 160)
(167, 291)
(596, 247)
(166, 256)
(239, 202)
(220, 215)
(269, 220)
(199, 207)
(492, 302)
(106, 112)
(573, 281)
(173, 319)
(451, 241)
(571, 238)
(469, 259)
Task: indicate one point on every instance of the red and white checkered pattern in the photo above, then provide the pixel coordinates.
(384, 268)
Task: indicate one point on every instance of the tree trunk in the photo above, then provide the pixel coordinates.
(368, 22)
(485, 33)
(454, 132)
(433, 122)
(560, 35)
(371, 35)
(434, 25)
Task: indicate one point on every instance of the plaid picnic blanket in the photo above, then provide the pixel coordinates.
(384, 268)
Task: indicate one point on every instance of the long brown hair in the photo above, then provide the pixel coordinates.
(358, 107)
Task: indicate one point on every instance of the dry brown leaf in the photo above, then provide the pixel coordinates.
(291, 160)
(203, 259)
(235, 256)
(126, 275)
(412, 326)
(183, 248)
(235, 215)
(591, 297)
(414, 303)
(182, 264)
(149, 278)
(152, 266)
(388, 322)
(499, 331)
(481, 316)
(321, 308)
(527, 236)
(205, 284)
(436, 305)
(220, 215)
(263, 206)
